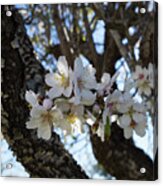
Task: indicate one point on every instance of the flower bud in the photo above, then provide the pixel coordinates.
(47, 103)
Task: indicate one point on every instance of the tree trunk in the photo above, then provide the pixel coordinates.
(20, 70)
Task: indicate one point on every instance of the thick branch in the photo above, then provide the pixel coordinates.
(109, 53)
(122, 159)
(40, 158)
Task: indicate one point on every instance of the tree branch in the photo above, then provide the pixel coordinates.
(40, 158)
(122, 159)
(64, 43)
(91, 45)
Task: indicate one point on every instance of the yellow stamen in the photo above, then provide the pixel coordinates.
(71, 118)
(64, 81)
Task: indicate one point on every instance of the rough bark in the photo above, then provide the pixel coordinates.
(40, 158)
(121, 158)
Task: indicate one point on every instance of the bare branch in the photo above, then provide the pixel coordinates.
(64, 43)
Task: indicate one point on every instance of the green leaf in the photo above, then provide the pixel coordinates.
(107, 128)
(83, 38)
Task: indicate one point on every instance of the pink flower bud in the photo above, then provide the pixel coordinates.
(47, 103)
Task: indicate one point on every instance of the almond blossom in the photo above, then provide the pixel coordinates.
(143, 79)
(84, 82)
(72, 116)
(133, 118)
(75, 91)
(43, 117)
(113, 100)
(106, 83)
(61, 80)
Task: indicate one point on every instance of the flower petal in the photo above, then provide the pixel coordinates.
(75, 100)
(47, 103)
(138, 107)
(147, 91)
(125, 120)
(122, 108)
(57, 115)
(88, 77)
(138, 70)
(68, 90)
(50, 79)
(140, 129)
(55, 92)
(37, 111)
(78, 67)
(33, 123)
(139, 118)
(105, 78)
(116, 96)
(44, 131)
(78, 110)
(62, 66)
(63, 105)
(87, 97)
(128, 131)
(31, 97)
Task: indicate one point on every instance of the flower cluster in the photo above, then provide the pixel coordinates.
(74, 97)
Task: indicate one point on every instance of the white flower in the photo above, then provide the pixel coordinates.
(84, 82)
(113, 100)
(31, 98)
(43, 119)
(144, 84)
(105, 82)
(60, 81)
(72, 116)
(133, 118)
